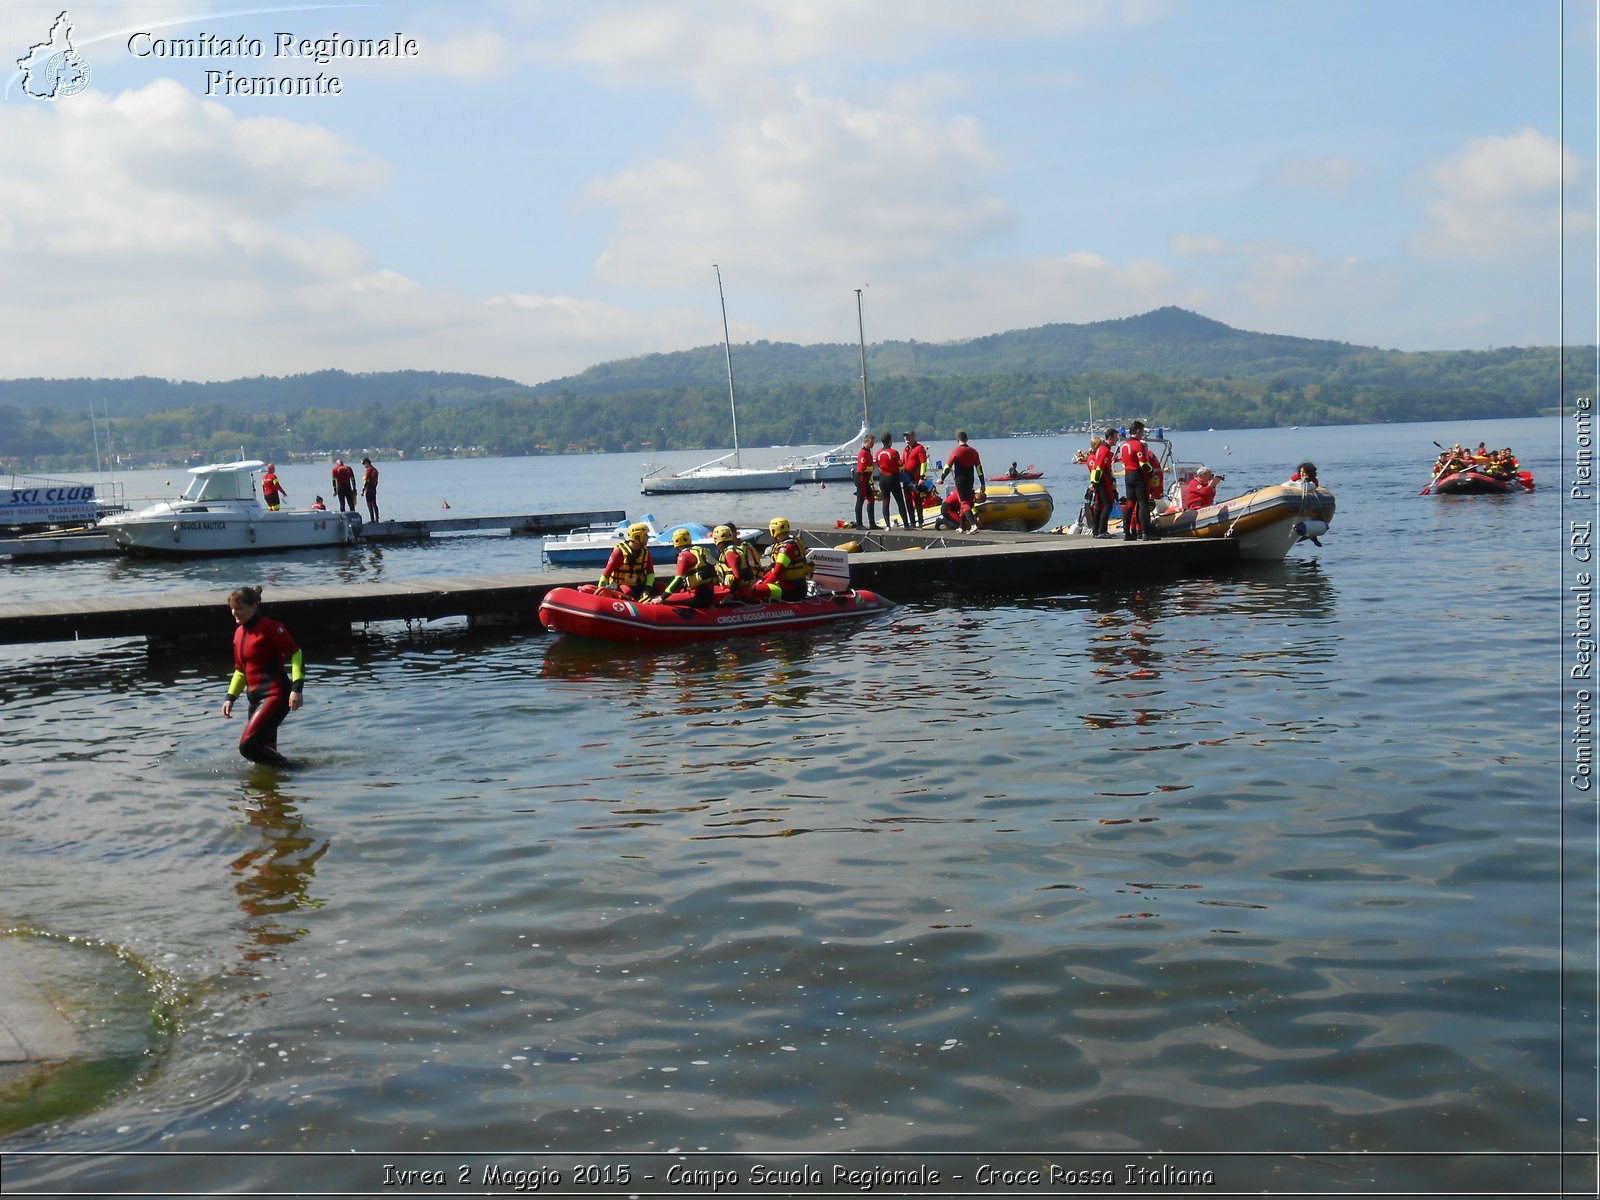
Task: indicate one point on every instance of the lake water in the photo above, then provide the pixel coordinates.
(1276, 874)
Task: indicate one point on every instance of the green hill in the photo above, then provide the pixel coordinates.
(1176, 367)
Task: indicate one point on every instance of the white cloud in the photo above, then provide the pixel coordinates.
(816, 182)
(161, 234)
(1500, 198)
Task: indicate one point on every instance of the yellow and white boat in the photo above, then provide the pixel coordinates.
(1266, 522)
(1022, 506)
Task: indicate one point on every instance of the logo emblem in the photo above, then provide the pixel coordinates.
(54, 69)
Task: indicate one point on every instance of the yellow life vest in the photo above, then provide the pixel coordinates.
(702, 574)
(637, 569)
(746, 568)
(792, 559)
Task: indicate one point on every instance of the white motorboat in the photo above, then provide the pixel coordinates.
(717, 475)
(221, 512)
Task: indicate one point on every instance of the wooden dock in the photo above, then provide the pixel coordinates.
(899, 564)
(86, 542)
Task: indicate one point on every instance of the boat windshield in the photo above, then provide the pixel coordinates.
(221, 485)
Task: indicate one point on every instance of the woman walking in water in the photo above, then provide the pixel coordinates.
(268, 668)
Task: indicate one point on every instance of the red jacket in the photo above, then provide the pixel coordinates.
(888, 463)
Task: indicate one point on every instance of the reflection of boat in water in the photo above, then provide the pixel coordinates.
(604, 614)
(717, 475)
(1266, 522)
(220, 513)
(592, 547)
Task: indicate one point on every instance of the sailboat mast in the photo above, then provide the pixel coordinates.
(727, 354)
(861, 330)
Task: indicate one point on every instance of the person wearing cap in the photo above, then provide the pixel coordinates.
(1200, 489)
(272, 492)
(694, 582)
(630, 569)
(866, 493)
(914, 462)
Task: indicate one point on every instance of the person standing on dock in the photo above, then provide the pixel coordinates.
(1138, 466)
(1102, 482)
(971, 487)
(272, 493)
(866, 493)
(344, 485)
(914, 459)
(369, 488)
(889, 472)
(269, 670)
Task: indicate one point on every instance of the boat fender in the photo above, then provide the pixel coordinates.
(852, 547)
(1310, 531)
(177, 531)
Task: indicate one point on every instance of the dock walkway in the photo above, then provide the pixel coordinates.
(899, 564)
(85, 542)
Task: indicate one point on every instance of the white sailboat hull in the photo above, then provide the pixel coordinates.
(718, 479)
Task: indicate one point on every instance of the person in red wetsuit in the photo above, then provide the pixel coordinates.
(970, 484)
(694, 584)
(1201, 489)
(889, 471)
(1138, 466)
(268, 668)
(272, 493)
(344, 485)
(865, 492)
(914, 461)
(369, 487)
(1102, 456)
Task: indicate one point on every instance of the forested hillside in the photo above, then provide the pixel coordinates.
(1171, 366)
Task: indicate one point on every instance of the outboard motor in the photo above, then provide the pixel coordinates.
(1309, 531)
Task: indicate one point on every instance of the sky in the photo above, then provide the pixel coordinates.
(530, 187)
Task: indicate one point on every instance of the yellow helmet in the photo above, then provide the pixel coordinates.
(723, 534)
(638, 532)
(681, 539)
(778, 527)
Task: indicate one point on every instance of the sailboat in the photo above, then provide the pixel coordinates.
(838, 464)
(717, 475)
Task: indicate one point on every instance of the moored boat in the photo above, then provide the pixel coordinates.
(604, 614)
(592, 547)
(1267, 521)
(220, 512)
(719, 475)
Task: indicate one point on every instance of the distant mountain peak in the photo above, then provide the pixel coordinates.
(1169, 321)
